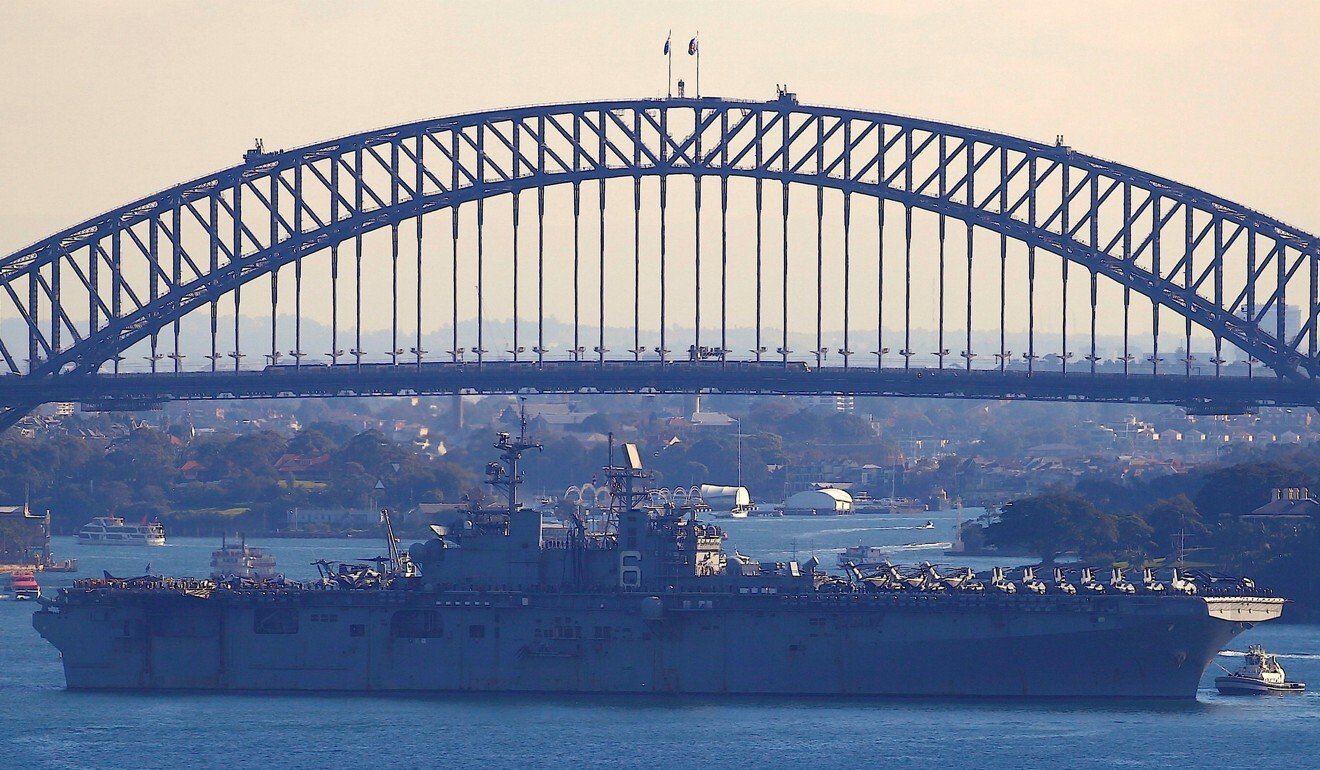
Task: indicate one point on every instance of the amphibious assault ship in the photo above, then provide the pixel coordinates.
(650, 603)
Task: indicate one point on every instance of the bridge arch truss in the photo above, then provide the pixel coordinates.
(73, 304)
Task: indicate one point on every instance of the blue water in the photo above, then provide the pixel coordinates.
(43, 726)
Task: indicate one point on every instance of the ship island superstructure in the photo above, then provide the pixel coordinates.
(648, 603)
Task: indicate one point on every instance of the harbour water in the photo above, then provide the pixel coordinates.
(44, 726)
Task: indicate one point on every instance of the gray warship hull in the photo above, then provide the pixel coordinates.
(699, 643)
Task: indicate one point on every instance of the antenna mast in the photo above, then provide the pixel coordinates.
(505, 473)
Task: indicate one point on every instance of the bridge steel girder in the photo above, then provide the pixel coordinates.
(140, 390)
(473, 157)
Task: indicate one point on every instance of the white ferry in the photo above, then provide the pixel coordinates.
(111, 530)
(241, 561)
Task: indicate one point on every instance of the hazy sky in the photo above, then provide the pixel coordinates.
(105, 102)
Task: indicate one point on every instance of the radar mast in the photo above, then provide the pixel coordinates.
(505, 474)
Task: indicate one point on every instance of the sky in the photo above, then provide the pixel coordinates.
(101, 103)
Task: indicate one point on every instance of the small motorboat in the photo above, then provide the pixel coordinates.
(863, 555)
(928, 525)
(1260, 674)
(23, 586)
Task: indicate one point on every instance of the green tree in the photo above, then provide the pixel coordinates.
(1172, 517)
(1134, 541)
(1053, 524)
(372, 451)
(1239, 489)
(311, 442)
(351, 486)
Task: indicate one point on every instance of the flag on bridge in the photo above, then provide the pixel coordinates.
(692, 47)
(667, 39)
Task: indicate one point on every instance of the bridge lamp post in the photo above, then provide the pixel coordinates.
(334, 357)
(357, 357)
(940, 354)
(783, 354)
(297, 356)
(152, 359)
(1127, 359)
(637, 352)
(418, 353)
(457, 354)
(215, 358)
(516, 351)
(757, 352)
(238, 358)
(845, 352)
(968, 355)
(541, 351)
(821, 354)
(663, 353)
(1155, 362)
(272, 358)
(1030, 358)
(600, 351)
(1064, 358)
(177, 358)
(1003, 357)
(394, 356)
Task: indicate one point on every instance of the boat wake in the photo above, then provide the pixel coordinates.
(1281, 656)
(919, 546)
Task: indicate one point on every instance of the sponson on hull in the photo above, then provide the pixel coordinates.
(649, 603)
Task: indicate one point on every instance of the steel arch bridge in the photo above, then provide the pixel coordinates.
(1123, 249)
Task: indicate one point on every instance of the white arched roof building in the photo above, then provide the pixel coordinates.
(727, 501)
(819, 502)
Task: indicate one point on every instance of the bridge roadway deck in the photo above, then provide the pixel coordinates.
(1209, 394)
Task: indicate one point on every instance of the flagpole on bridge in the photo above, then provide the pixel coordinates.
(695, 50)
(669, 54)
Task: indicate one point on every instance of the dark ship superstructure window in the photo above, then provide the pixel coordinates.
(275, 620)
(417, 624)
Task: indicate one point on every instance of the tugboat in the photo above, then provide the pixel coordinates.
(1261, 674)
